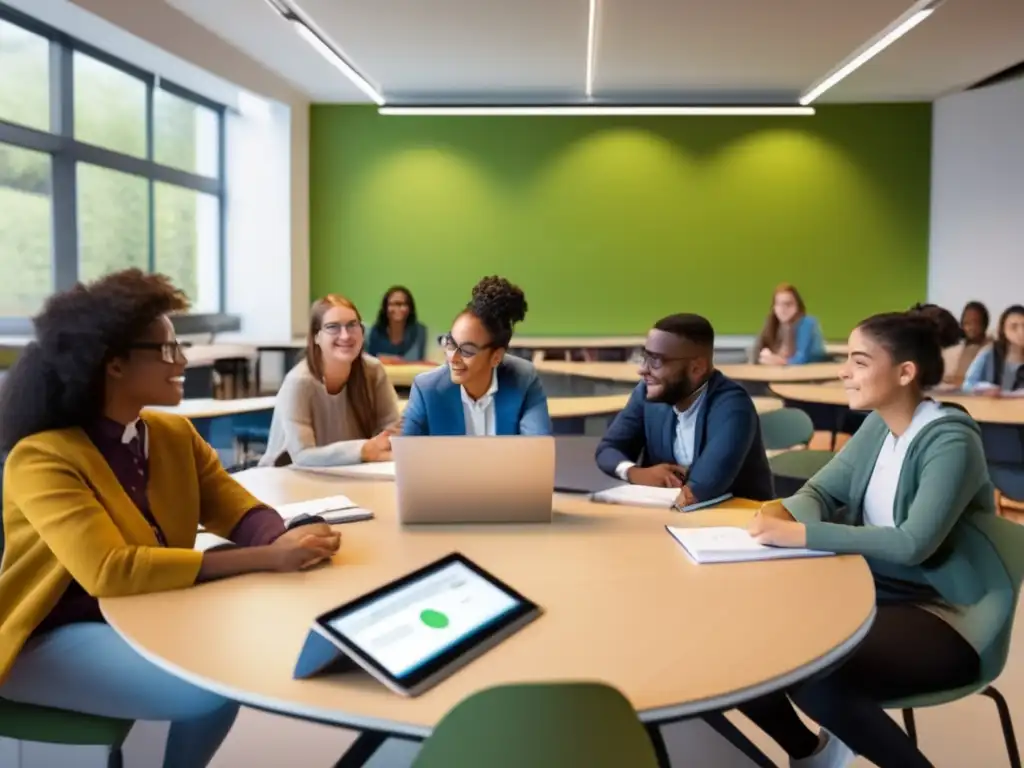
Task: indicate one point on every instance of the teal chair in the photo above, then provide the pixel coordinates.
(786, 428)
(1008, 540)
(540, 726)
(782, 430)
(25, 722)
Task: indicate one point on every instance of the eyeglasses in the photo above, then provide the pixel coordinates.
(465, 350)
(653, 362)
(351, 328)
(170, 351)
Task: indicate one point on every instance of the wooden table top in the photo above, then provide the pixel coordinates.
(622, 604)
(576, 342)
(211, 408)
(627, 372)
(989, 410)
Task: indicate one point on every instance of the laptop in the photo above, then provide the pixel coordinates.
(576, 468)
(474, 479)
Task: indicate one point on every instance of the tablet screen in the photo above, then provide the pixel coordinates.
(415, 625)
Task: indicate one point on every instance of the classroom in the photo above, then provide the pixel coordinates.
(535, 384)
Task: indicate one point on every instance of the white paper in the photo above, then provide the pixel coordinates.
(334, 509)
(732, 545)
(638, 496)
(376, 470)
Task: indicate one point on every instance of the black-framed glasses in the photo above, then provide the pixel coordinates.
(451, 346)
(170, 351)
(351, 328)
(653, 362)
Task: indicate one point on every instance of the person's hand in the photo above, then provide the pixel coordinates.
(304, 547)
(686, 497)
(658, 476)
(773, 532)
(776, 510)
(991, 392)
(768, 357)
(377, 448)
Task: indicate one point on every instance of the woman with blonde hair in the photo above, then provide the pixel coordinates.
(790, 336)
(336, 406)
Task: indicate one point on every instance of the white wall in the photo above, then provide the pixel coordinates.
(977, 208)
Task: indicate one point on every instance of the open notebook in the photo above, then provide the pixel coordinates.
(646, 496)
(371, 470)
(731, 545)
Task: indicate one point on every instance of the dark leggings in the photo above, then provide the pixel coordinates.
(907, 652)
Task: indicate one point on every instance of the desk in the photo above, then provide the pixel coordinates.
(401, 375)
(744, 372)
(632, 610)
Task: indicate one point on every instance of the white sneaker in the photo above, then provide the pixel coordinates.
(831, 754)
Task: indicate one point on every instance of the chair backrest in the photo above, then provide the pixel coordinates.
(540, 726)
(786, 428)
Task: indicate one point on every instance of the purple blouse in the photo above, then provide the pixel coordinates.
(126, 450)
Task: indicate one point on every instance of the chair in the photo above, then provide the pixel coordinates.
(1008, 539)
(26, 722)
(784, 430)
(540, 726)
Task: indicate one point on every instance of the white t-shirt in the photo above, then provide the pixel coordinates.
(881, 492)
(479, 414)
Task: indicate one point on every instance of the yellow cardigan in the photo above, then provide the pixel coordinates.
(66, 516)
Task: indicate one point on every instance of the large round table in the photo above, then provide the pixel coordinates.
(622, 603)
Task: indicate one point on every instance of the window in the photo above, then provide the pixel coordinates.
(24, 77)
(103, 166)
(26, 207)
(113, 221)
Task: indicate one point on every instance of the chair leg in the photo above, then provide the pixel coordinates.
(116, 758)
(910, 725)
(1007, 723)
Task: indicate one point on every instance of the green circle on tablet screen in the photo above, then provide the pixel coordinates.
(434, 619)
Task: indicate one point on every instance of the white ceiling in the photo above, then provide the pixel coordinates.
(668, 50)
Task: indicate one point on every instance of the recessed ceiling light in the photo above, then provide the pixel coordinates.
(596, 109)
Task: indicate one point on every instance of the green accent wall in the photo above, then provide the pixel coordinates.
(610, 223)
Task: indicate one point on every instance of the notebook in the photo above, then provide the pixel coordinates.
(333, 509)
(373, 470)
(732, 545)
(646, 496)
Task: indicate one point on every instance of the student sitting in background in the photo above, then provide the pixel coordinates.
(690, 426)
(481, 390)
(100, 500)
(396, 336)
(999, 368)
(337, 406)
(790, 336)
(908, 492)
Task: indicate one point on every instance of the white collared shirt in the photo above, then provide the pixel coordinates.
(479, 414)
(682, 444)
(131, 431)
(880, 497)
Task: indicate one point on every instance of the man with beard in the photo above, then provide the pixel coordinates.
(687, 425)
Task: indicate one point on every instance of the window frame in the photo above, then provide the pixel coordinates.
(66, 152)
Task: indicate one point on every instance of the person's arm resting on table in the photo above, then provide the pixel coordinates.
(732, 427)
(974, 378)
(810, 343)
(624, 440)
(295, 405)
(535, 419)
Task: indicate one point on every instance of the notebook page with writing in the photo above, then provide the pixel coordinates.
(732, 545)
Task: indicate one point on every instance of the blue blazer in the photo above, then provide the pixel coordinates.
(520, 405)
(809, 342)
(728, 453)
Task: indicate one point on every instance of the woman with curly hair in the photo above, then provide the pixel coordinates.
(103, 500)
(481, 390)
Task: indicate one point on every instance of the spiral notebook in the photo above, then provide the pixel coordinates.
(732, 545)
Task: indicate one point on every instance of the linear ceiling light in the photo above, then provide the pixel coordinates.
(597, 109)
(868, 53)
(591, 47)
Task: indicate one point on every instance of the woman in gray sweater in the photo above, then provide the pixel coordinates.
(337, 406)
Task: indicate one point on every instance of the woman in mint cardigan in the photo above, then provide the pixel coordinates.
(910, 492)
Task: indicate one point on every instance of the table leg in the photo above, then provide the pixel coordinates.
(658, 742)
(735, 736)
(362, 749)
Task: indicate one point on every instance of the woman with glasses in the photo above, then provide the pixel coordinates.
(336, 406)
(103, 500)
(481, 391)
(397, 336)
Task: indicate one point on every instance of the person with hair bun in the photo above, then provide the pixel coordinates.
(481, 390)
(101, 499)
(951, 340)
(911, 493)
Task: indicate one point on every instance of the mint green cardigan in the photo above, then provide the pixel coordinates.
(941, 535)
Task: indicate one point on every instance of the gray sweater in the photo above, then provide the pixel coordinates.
(317, 429)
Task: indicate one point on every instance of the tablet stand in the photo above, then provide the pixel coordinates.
(320, 656)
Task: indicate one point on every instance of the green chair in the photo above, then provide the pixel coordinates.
(786, 428)
(782, 430)
(25, 722)
(540, 726)
(1008, 540)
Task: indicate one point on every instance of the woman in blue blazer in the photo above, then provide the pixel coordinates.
(480, 390)
(790, 336)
